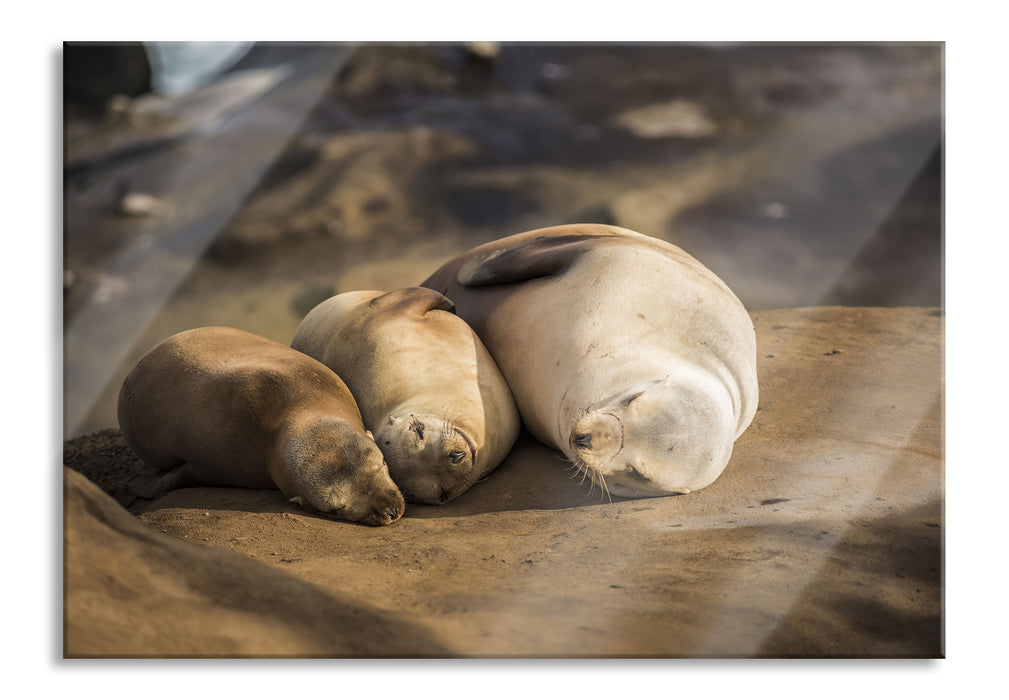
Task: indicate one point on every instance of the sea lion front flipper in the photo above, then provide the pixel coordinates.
(419, 300)
(540, 257)
(152, 484)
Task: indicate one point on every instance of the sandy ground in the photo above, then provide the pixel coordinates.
(809, 178)
(823, 537)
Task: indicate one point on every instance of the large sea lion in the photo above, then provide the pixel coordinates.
(224, 407)
(427, 387)
(621, 350)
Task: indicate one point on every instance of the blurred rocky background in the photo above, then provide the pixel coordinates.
(240, 184)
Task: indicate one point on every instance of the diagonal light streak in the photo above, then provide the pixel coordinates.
(100, 335)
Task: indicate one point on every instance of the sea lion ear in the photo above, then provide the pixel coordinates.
(420, 300)
(539, 257)
(296, 501)
(369, 434)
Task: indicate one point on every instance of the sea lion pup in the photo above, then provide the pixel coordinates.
(224, 407)
(621, 351)
(427, 387)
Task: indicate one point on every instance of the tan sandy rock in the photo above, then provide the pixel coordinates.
(823, 537)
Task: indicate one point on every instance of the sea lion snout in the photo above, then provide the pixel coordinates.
(390, 515)
(386, 508)
(597, 438)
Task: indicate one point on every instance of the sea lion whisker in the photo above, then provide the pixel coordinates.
(579, 467)
(450, 423)
(605, 489)
(576, 469)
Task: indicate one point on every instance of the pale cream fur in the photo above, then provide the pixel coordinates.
(624, 316)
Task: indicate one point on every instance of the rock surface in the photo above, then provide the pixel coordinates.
(134, 592)
(823, 537)
(802, 175)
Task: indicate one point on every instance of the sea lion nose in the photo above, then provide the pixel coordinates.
(393, 512)
(602, 433)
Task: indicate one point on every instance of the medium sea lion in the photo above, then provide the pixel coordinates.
(427, 387)
(621, 351)
(224, 407)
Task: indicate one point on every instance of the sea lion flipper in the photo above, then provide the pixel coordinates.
(420, 300)
(540, 257)
(152, 484)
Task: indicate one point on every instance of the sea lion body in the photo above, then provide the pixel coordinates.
(621, 350)
(426, 386)
(223, 407)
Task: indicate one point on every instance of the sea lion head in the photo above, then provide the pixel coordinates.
(337, 470)
(657, 438)
(431, 459)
